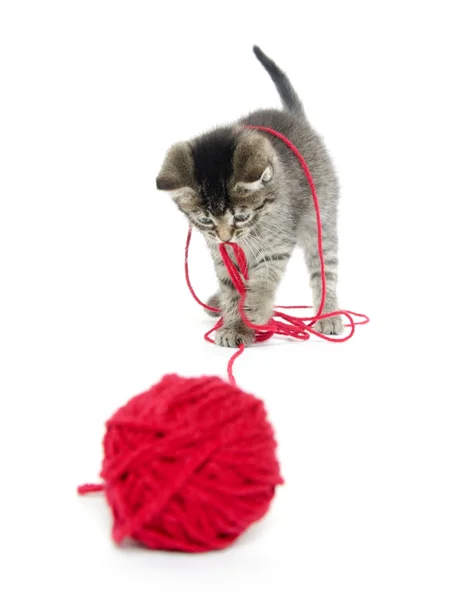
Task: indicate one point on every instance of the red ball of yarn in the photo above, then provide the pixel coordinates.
(189, 465)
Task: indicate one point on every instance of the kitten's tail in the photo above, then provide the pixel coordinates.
(289, 97)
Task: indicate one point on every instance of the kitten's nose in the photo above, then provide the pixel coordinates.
(224, 233)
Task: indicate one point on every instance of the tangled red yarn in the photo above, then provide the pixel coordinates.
(189, 465)
(300, 328)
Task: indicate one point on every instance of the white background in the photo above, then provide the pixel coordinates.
(94, 308)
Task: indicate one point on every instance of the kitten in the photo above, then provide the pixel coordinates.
(246, 186)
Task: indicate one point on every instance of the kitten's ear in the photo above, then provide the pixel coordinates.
(177, 169)
(253, 161)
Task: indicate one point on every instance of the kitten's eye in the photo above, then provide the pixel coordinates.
(205, 220)
(241, 218)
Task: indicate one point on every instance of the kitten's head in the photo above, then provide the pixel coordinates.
(223, 181)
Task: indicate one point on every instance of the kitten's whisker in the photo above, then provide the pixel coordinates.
(253, 242)
(260, 252)
(249, 245)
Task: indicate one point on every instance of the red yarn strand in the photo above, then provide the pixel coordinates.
(187, 275)
(89, 488)
(300, 328)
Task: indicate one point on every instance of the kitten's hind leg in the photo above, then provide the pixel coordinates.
(309, 240)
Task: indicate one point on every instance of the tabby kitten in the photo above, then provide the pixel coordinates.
(245, 186)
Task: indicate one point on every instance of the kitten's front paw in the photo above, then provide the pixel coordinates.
(332, 326)
(232, 336)
(213, 301)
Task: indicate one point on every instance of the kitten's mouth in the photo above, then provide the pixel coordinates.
(218, 240)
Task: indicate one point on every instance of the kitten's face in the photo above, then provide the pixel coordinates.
(223, 184)
(229, 227)
(227, 221)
